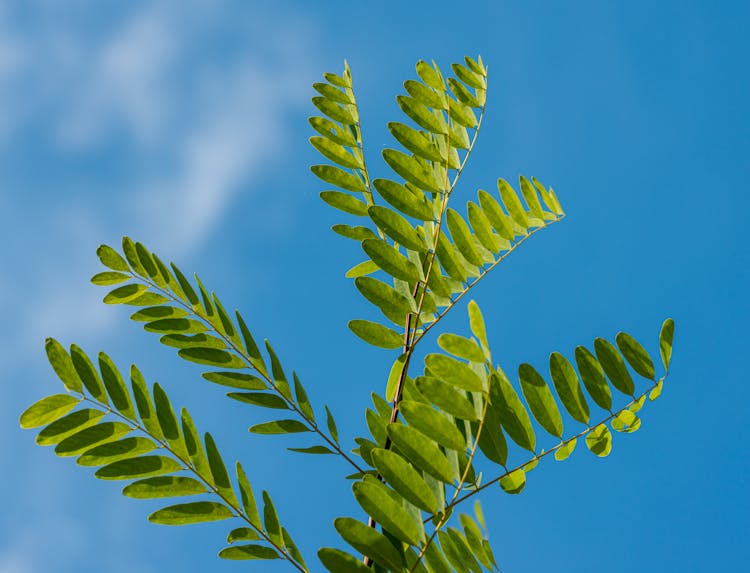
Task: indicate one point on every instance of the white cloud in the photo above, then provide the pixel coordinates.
(187, 128)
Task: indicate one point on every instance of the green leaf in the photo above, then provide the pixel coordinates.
(435, 560)
(242, 534)
(212, 357)
(463, 238)
(68, 425)
(599, 441)
(421, 115)
(218, 470)
(357, 233)
(109, 278)
(568, 387)
(331, 423)
(415, 141)
(163, 486)
(392, 303)
(362, 269)
(403, 478)
(378, 503)
(433, 424)
(476, 324)
(202, 340)
(112, 259)
(447, 398)
(280, 382)
(115, 385)
(461, 346)
(513, 203)
(636, 355)
(302, 399)
(142, 466)
(468, 76)
(279, 427)
(429, 76)
(256, 358)
(492, 440)
(656, 392)
(449, 260)
(144, 404)
(169, 325)
(332, 93)
(236, 380)
(540, 400)
(260, 399)
(461, 114)
(461, 548)
(335, 111)
(564, 451)
(128, 249)
(376, 334)
(148, 299)
(397, 227)
(339, 178)
(168, 421)
(312, 450)
(474, 538)
(666, 336)
(613, 366)
(483, 230)
(390, 260)
(532, 200)
(425, 94)
(370, 542)
(115, 451)
(626, 421)
(47, 410)
(393, 378)
(88, 374)
(402, 198)
(248, 498)
(335, 152)
(593, 377)
(421, 451)
(194, 512)
(337, 561)
(185, 286)
(514, 482)
(90, 437)
(271, 520)
(344, 202)
(62, 364)
(463, 94)
(495, 215)
(248, 551)
(332, 131)
(125, 293)
(510, 411)
(454, 372)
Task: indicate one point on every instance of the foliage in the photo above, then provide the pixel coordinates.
(433, 434)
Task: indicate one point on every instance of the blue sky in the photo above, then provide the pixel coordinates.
(184, 126)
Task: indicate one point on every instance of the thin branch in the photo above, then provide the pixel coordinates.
(245, 358)
(135, 425)
(484, 272)
(563, 443)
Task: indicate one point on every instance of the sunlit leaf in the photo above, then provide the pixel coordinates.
(163, 486)
(370, 542)
(114, 451)
(636, 355)
(138, 467)
(666, 336)
(187, 513)
(568, 387)
(514, 482)
(47, 410)
(421, 451)
(599, 441)
(376, 334)
(540, 400)
(62, 364)
(403, 478)
(376, 502)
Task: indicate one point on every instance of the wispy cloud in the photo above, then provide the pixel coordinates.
(156, 116)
